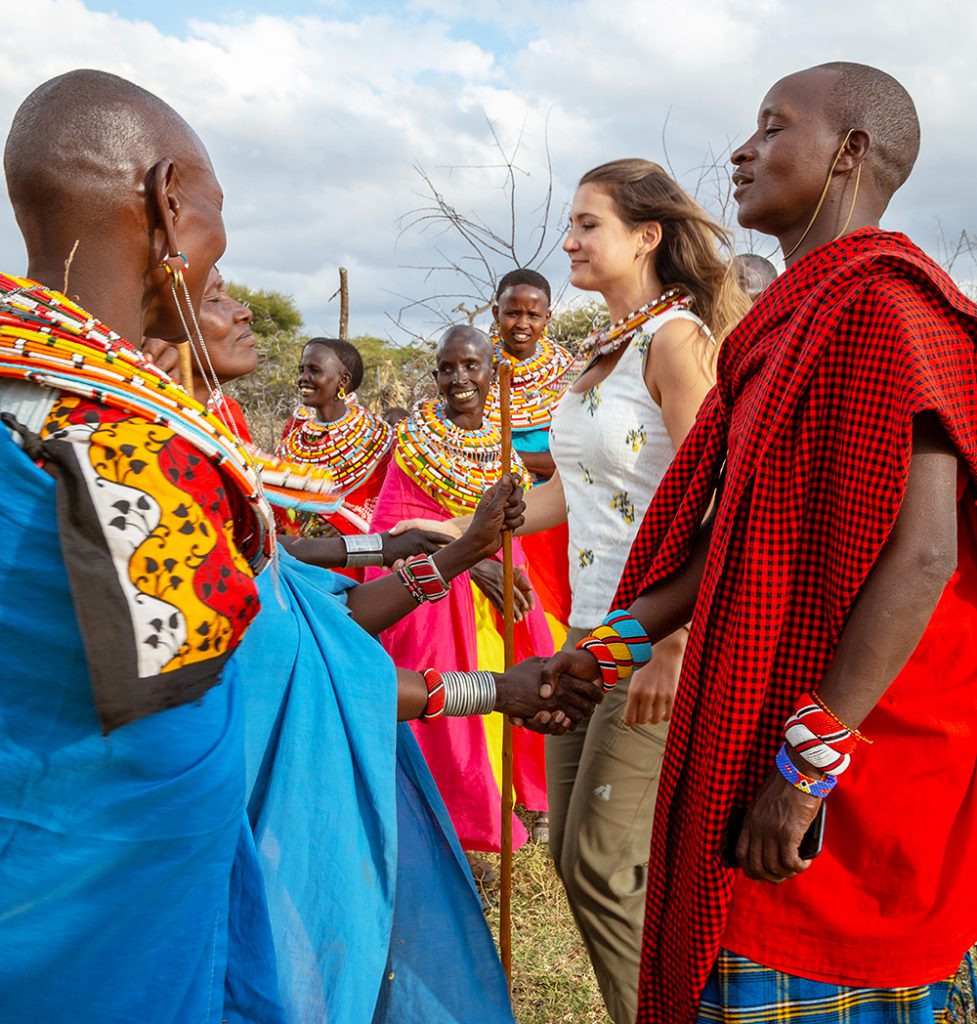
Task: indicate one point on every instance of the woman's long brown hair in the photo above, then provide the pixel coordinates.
(695, 249)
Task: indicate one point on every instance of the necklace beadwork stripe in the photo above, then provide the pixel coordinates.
(538, 383)
(452, 465)
(608, 339)
(351, 447)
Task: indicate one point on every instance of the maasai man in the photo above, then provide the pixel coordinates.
(833, 596)
(541, 373)
(445, 457)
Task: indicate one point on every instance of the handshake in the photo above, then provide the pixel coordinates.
(550, 695)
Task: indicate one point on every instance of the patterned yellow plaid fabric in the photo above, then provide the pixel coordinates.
(742, 992)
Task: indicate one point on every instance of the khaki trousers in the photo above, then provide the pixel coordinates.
(602, 781)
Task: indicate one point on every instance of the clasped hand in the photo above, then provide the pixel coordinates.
(535, 696)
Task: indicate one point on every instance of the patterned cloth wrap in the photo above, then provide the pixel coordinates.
(850, 344)
(162, 517)
(741, 992)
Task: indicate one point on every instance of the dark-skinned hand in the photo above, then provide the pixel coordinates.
(553, 708)
(397, 547)
(501, 508)
(164, 355)
(569, 666)
(488, 575)
(773, 829)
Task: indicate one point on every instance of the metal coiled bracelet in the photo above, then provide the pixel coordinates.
(458, 694)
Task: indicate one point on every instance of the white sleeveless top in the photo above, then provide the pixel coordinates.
(611, 448)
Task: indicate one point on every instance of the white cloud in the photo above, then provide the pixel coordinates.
(315, 122)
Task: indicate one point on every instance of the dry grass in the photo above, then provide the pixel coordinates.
(552, 980)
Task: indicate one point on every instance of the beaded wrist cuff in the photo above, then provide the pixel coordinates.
(422, 579)
(435, 695)
(363, 549)
(605, 661)
(815, 787)
(820, 738)
(632, 633)
(620, 645)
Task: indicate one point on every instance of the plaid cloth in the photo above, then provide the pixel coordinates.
(809, 433)
(741, 992)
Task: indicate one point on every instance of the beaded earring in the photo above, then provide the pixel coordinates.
(175, 272)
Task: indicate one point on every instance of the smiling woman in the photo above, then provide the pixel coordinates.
(329, 429)
(445, 457)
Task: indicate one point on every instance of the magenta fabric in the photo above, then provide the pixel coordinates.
(443, 636)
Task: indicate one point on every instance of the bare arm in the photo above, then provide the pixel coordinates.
(886, 624)
(546, 506)
(678, 374)
(554, 709)
(540, 464)
(380, 603)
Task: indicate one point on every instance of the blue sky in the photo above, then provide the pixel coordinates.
(319, 114)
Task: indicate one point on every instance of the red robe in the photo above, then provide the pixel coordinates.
(809, 432)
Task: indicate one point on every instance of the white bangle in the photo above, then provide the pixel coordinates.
(363, 549)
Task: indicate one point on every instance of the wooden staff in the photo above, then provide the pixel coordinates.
(185, 366)
(508, 619)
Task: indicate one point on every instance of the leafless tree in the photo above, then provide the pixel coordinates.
(470, 250)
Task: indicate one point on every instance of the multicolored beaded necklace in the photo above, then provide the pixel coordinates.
(47, 339)
(351, 447)
(610, 338)
(51, 341)
(452, 465)
(538, 383)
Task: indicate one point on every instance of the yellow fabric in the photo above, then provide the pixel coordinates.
(491, 657)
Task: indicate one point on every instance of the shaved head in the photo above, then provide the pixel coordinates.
(462, 332)
(80, 139)
(864, 97)
(110, 186)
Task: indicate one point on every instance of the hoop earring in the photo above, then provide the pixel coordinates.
(824, 195)
(175, 272)
(341, 393)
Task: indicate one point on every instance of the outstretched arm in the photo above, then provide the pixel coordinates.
(380, 603)
(661, 609)
(553, 709)
(886, 624)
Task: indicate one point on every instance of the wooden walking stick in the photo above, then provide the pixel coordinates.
(508, 636)
(186, 366)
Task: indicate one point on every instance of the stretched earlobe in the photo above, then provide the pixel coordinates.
(165, 211)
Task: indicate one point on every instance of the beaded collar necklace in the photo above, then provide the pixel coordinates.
(610, 338)
(351, 447)
(51, 341)
(452, 465)
(538, 383)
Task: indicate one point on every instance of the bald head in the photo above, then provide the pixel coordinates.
(108, 182)
(864, 97)
(81, 143)
(462, 333)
